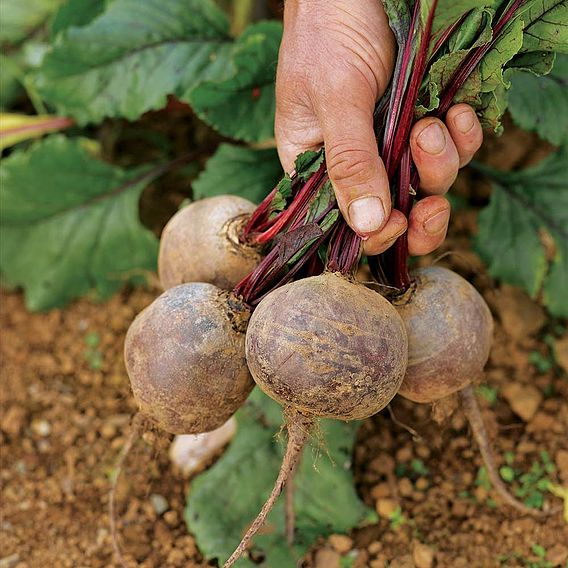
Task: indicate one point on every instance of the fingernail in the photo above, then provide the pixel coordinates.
(366, 214)
(437, 223)
(432, 139)
(464, 121)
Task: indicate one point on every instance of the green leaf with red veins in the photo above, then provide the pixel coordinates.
(242, 105)
(69, 223)
(527, 209)
(128, 59)
(540, 104)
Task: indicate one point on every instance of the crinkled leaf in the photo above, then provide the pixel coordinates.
(127, 60)
(308, 163)
(21, 17)
(69, 223)
(474, 32)
(540, 104)
(225, 499)
(487, 83)
(504, 49)
(76, 13)
(324, 225)
(537, 62)
(247, 172)
(293, 244)
(546, 25)
(522, 205)
(242, 106)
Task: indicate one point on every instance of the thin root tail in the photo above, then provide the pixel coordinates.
(299, 428)
(137, 426)
(473, 415)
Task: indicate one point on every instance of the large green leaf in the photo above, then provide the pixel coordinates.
(242, 106)
(21, 17)
(240, 171)
(540, 104)
(225, 499)
(76, 13)
(127, 60)
(69, 223)
(546, 25)
(522, 205)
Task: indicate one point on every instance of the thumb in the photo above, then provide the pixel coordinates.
(355, 168)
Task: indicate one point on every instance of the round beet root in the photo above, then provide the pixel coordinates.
(185, 356)
(450, 330)
(327, 347)
(200, 243)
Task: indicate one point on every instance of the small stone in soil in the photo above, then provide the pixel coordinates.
(520, 316)
(41, 427)
(13, 420)
(159, 503)
(405, 487)
(341, 543)
(524, 400)
(561, 460)
(561, 352)
(422, 555)
(386, 507)
(327, 558)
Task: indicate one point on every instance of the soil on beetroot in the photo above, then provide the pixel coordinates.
(66, 411)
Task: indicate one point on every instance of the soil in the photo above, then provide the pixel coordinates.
(66, 413)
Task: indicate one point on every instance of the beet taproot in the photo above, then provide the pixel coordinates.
(450, 331)
(327, 347)
(201, 243)
(323, 347)
(185, 356)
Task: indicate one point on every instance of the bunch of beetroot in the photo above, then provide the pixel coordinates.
(267, 295)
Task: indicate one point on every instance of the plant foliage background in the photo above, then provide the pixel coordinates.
(115, 112)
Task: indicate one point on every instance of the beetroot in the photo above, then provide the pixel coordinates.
(323, 347)
(327, 347)
(450, 330)
(201, 243)
(185, 358)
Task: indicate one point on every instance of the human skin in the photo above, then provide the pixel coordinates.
(336, 60)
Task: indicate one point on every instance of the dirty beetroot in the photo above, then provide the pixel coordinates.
(64, 422)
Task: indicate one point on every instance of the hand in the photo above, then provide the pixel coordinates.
(335, 61)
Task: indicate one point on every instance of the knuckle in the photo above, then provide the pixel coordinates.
(349, 165)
